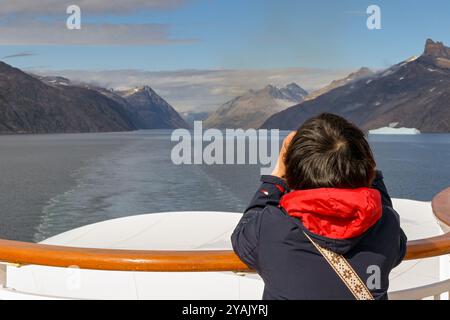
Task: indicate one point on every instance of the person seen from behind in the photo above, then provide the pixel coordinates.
(322, 226)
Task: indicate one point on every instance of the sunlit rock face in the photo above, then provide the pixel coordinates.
(254, 107)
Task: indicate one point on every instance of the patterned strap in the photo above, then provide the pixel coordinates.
(345, 271)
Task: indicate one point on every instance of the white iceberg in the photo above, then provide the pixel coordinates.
(391, 130)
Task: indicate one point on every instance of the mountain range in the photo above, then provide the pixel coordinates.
(254, 107)
(414, 94)
(36, 104)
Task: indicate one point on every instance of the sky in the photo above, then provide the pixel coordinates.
(127, 43)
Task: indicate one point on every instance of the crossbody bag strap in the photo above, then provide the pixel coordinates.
(345, 271)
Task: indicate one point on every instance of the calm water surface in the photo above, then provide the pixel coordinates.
(54, 183)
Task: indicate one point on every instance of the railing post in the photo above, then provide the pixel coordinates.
(2, 275)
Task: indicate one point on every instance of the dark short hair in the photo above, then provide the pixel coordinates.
(329, 152)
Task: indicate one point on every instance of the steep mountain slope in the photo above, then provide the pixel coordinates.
(28, 105)
(414, 94)
(362, 73)
(151, 111)
(254, 107)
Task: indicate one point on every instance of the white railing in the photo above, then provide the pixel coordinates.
(435, 291)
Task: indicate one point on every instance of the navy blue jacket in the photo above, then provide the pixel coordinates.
(273, 243)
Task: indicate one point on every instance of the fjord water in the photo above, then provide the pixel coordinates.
(54, 183)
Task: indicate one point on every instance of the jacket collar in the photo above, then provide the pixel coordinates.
(335, 214)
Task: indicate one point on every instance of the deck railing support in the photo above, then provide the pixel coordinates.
(2, 275)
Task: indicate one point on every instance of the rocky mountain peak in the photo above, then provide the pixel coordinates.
(144, 91)
(271, 90)
(361, 73)
(151, 110)
(293, 86)
(291, 92)
(148, 90)
(364, 71)
(294, 92)
(436, 49)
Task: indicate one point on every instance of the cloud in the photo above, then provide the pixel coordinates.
(42, 22)
(202, 90)
(42, 33)
(19, 55)
(27, 7)
(355, 13)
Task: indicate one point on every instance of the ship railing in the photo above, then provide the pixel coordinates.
(23, 253)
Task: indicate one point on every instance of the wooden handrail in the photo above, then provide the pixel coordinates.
(441, 206)
(436, 246)
(23, 253)
(20, 253)
(428, 248)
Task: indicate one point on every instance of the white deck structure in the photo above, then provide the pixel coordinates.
(188, 231)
